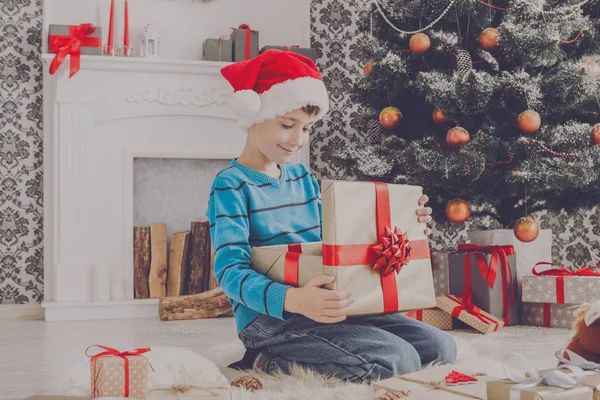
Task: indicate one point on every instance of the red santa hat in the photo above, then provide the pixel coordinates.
(275, 83)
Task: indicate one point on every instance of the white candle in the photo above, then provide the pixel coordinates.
(100, 283)
(117, 290)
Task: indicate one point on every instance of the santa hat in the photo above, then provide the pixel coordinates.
(274, 83)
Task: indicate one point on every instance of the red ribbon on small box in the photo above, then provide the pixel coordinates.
(110, 352)
(291, 265)
(416, 314)
(389, 255)
(465, 303)
(289, 48)
(71, 45)
(561, 273)
(498, 253)
(248, 32)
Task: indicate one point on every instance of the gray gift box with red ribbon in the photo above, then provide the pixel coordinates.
(64, 30)
(217, 50)
(305, 51)
(488, 293)
(245, 43)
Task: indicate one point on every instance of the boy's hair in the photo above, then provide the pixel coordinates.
(311, 110)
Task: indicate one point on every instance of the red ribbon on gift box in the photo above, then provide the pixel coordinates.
(389, 255)
(547, 315)
(71, 45)
(416, 314)
(248, 32)
(289, 48)
(561, 273)
(110, 352)
(465, 303)
(498, 253)
(291, 264)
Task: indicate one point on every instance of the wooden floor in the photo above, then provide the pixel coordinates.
(35, 354)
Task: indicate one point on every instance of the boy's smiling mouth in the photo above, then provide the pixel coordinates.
(286, 150)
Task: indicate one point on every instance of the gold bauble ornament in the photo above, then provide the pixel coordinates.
(526, 229)
(458, 210)
(419, 43)
(529, 121)
(596, 135)
(439, 117)
(390, 117)
(368, 68)
(457, 137)
(489, 39)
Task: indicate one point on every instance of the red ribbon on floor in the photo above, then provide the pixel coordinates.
(110, 352)
(465, 303)
(248, 32)
(71, 45)
(489, 274)
(561, 273)
(387, 255)
(291, 265)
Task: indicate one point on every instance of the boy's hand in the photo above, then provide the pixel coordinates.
(319, 304)
(424, 213)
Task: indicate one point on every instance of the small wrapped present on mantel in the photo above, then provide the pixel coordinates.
(463, 309)
(489, 275)
(117, 373)
(524, 382)
(307, 52)
(290, 264)
(73, 41)
(443, 382)
(245, 43)
(432, 316)
(217, 50)
(375, 247)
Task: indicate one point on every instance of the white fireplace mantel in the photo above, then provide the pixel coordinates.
(114, 110)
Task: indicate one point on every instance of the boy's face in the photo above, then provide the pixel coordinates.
(279, 138)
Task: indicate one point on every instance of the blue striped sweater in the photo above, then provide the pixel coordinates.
(248, 208)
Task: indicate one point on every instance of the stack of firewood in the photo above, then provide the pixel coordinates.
(182, 276)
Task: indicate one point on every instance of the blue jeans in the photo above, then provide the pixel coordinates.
(357, 349)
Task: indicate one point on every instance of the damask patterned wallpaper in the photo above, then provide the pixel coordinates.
(21, 175)
(334, 34)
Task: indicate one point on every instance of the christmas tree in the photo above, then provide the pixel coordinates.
(492, 102)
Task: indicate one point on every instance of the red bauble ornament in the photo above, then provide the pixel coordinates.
(529, 121)
(596, 135)
(439, 117)
(489, 39)
(390, 117)
(457, 136)
(458, 210)
(368, 68)
(526, 229)
(419, 43)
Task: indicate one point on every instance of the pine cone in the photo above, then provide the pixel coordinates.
(464, 63)
(374, 131)
(397, 394)
(247, 382)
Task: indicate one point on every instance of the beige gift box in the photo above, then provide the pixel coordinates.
(283, 264)
(500, 390)
(591, 379)
(432, 316)
(485, 323)
(429, 383)
(349, 233)
(108, 377)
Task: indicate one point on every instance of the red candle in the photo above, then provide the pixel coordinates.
(126, 34)
(109, 45)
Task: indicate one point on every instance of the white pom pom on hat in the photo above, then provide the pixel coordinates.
(274, 83)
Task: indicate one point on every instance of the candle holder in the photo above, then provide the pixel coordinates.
(105, 51)
(125, 51)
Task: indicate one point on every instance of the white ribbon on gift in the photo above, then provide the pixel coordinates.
(576, 360)
(524, 374)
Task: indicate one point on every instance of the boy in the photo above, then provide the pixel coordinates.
(260, 200)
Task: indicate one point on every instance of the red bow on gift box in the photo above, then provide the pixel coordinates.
(109, 351)
(465, 302)
(71, 45)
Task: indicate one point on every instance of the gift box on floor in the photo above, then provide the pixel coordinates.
(217, 50)
(560, 285)
(591, 370)
(375, 247)
(591, 379)
(432, 316)
(548, 315)
(119, 374)
(527, 254)
(439, 267)
(489, 275)
(524, 382)
(308, 52)
(430, 383)
(464, 310)
(245, 43)
(292, 264)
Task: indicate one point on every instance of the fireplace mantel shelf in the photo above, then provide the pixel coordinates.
(143, 64)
